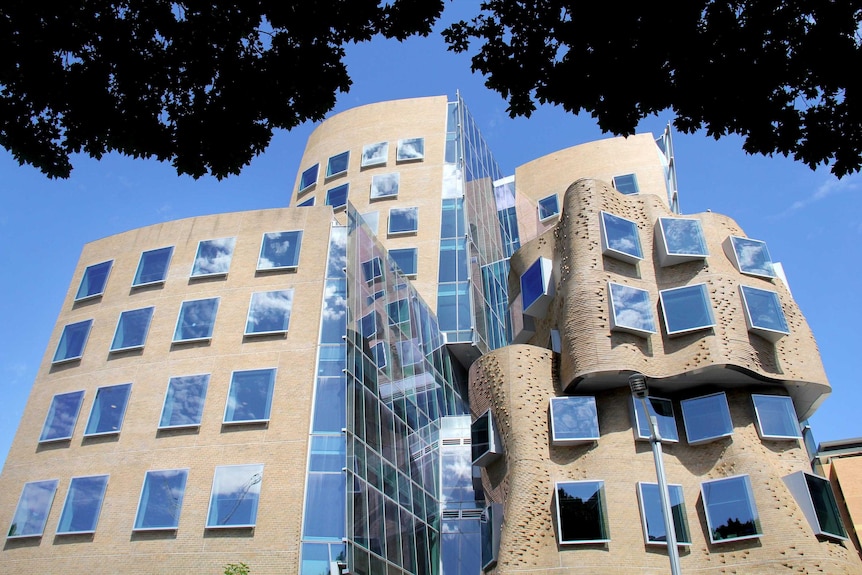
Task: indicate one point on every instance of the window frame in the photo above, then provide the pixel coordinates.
(616, 308)
(604, 527)
(768, 333)
(86, 337)
(665, 422)
(793, 422)
(734, 243)
(705, 299)
(308, 178)
(120, 415)
(40, 507)
(212, 321)
(393, 181)
(256, 479)
(228, 412)
(136, 281)
(624, 181)
(616, 253)
(197, 274)
(379, 156)
(285, 319)
(403, 142)
(73, 418)
(145, 330)
(667, 256)
(799, 484)
(69, 501)
(485, 423)
(551, 212)
(678, 513)
(556, 429)
(405, 231)
(178, 502)
(411, 273)
(724, 413)
(542, 269)
(202, 397)
(337, 157)
(307, 203)
(84, 278)
(752, 508)
(265, 249)
(337, 189)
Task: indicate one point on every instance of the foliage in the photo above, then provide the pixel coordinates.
(784, 75)
(236, 569)
(201, 84)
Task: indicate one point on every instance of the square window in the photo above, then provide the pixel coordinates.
(776, 417)
(372, 269)
(337, 196)
(652, 514)
(485, 444)
(370, 325)
(153, 267)
(72, 341)
(686, 309)
(94, 281)
(196, 320)
(410, 149)
(161, 500)
(280, 250)
(680, 240)
(537, 288)
(307, 203)
(132, 328)
(763, 313)
(83, 504)
(109, 408)
(582, 516)
(308, 178)
(62, 416)
(337, 164)
(750, 256)
(385, 185)
(626, 184)
(815, 497)
(548, 207)
(620, 239)
(403, 220)
(33, 508)
(234, 497)
(662, 410)
(631, 310)
(379, 353)
(407, 260)
(250, 396)
(269, 312)
(213, 257)
(374, 154)
(730, 511)
(706, 418)
(184, 401)
(574, 420)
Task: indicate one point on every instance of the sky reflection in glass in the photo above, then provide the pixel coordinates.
(410, 149)
(250, 396)
(683, 237)
(161, 500)
(652, 515)
(196, 320)
(620, 238)
(280, 250)
(184, 401)
(269, 312)
(686, 309)
(153, 266)
(213, 257)
(752, 257)
(631, 309)
(33, 508)
(706, 418)
(776, 417)
(132, 328)
(406, 259)
(235, 495)
(62, 416)
(403, 220)
(574, 419)
(83, 504)
(385, 185)
(763, 310)
(548, 207)
(374, 154)
(662, 409)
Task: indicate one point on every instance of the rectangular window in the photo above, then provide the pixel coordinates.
(626, 184)
(196, 320)
(250, 396)
(490, 526)
(631, 310)
(337, 164)
(582, 516)
(62, 416)
(652, 515)
(184, 401)
(815, 497)
(680, 240)
(109, 408)
(403, 220)
(385, 185)
(234, 497)
(161, 500)
(33, 508)
(750, 256)
(574, 420)
(83, 504)
(72, 341)
(307, 203)
(730, 511)
(269, 312)
(280, 250)
(407, 260)
(153, 267)
(549, 207)
(213, 257)
(686, 309)
(620, 239)
(776, 417)
(374, 154)
(410, 149)
(337, 196)
(379, 354)
(763, 313)
(706, 418)
(537, 288)
(94, 281)
(662, 410)
(132, 328)
(308, 178)
(372, 269)
(485, 444)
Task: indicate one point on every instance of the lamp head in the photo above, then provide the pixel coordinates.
(637, 383)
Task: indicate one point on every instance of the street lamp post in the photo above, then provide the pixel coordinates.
(637, 383)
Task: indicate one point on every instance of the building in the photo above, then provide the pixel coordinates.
(423, 367)
(841, 462)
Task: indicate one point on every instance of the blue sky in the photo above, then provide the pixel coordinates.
(810, 221)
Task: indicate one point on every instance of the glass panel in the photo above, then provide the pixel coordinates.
(683, 237)
(407, 260)
(153, 266)
(196, 320)
(825, 506)
(763, 309)
(269, 312)
(235, 494)
(706, 418)
(410, 149)
(374, 154)
(280, 250)
(108, 410)
(403, 220)
(132, 329)
(33, 507)
(776, 417)
(308, 178)
(337, 196)
(752, 257)
(325, 505)
(549, 207)
(385, 185)
(631, 309)
(662, 409)
(535, 283)
(184, 401)
(62, 416)
(213, 257)
(72, 341)
(581, 514)
(250, 396)
(730, 510)
(307, 203)
(94, 280)
(82, 505)
(686, 309)
(626, 184)
(161, 499)
(337, 164)
(620, 238)
(653, 516)
(480, 436)
(574, 419)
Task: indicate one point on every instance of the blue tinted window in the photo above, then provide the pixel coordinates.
(763, 312)
(574, 420)
(683, 237)
(33, 508)
(374, 154)
(776, 417)
(132, 329)
(72, 341)
(686, 309)
(337, 196)
(308, 178)
(652, 515)
(407, 260)
(706, 418)
(662, 410)
(620, 238)
(196, 320)
(337, 164)
(184, 401)
(213, 257)
(153, 266)
(161, 499)
(62, 416)
(83, 504)
(250, 396)
(94, 280)
(109, 408)
(631, 310)
(814, 496)
(730, 510)
(410, 149)
(536, 287)
(626, 184)
(581, 512)
(549, 207)
(307, 203)
(280, 250)
(403, 220)
(235, 495)
(372, 269)
(385, 185)
(379, 353)
(752, 257)
(269, 312)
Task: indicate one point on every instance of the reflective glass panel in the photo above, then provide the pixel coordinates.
(631, 309)
(196, 320)
(325, 501)
(620, 238)
(581, 512)
(652, 515)
(385, 185)
(730, 510)
(686, 309)
(410, 149)
(337, 164)
(683, 237)
(62, 416)
(337, 196)
(32, 510)
(161, 499)
(82, 505)
(308, 178)
(280, 250)
(374, 154)
(235, 495)
(763, 309)
(626, 184)
(269, 312)
(184, 401)
(574, 419)
(706, 418)
(213, 257)
(407, 260)
(94, 280)
(776, 417)
(536, 287)
(307, 203)
(72, 341)
(403, 220)
(132, 328)
(752, 257)
(662, 409)
(549, 207)
(153, 266)
(250, 396)
(825, 507)
(109, 407)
